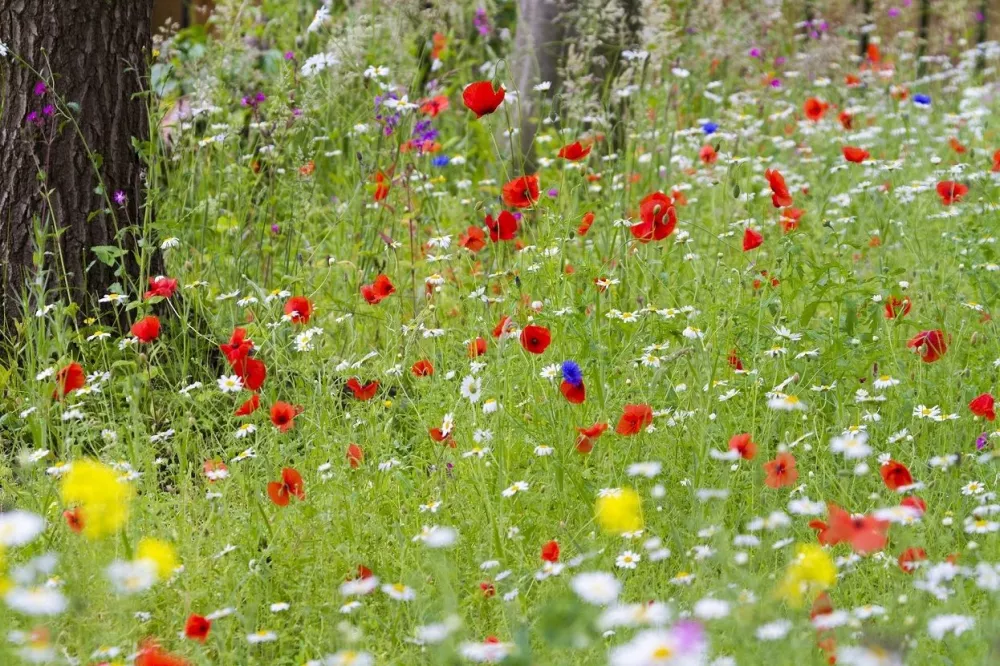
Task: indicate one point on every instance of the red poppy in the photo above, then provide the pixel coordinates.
(248, 407)
(956, 145)
(505, 324)
(708, 155)
(197, 627)
(950, 191)
(252, 371)
(574, 152)
(658, 218)
(238, 346)
(481, 98)
(585, 223)
(440, 42)
(439, 435)
(281, 492)
(781, 471)
(790, 219)
(521, 192)
(585, 442)
(814, 108)
(151, 654)
(298, 309)
(856, 155)
(435, 105)
(355, 456)
(69, 379)
(996, 161)
(846, 120)
(474, 239)
(382, 185)
(931, 345)
(535, 339)
(422, 368)
(983, 406)
(915, 503)
(734, 361)
(550, 551)
(147, 329)
(752, 239)
(283, 415)
(897, 307)
(779, 191)
(504, 228)
(743, 445)
(822, 531)
(574, 393)
(488, 588)
(908, 559)
(366, 392)
(895, 475)
(74, 519)
(634, 419)
(375, 292)
(161, 286)
(477, 348)
(866, 534)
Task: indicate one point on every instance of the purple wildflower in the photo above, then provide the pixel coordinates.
(40, 88)
(482, 22)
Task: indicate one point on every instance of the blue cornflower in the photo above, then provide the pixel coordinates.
(922, 99)
(710, 127)
(572, 374)
(441, 160)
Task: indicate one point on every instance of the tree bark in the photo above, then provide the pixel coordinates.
(73, 142)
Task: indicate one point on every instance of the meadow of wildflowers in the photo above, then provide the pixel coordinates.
(707, 379)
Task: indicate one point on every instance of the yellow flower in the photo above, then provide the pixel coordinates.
(160, 552)
(620, 511)
(103, 499)
(811, 572)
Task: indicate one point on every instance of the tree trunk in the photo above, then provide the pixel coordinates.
(923, 30)
(68, 148)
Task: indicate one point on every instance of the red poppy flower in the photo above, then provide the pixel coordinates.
(355, 456)
(477, 348)
(298, 309)
(814, 108)
(983, 406)
(488, 588)
(435, 105)
(382, 185)
(950, 191)
(151, 654)
(283, 415)
(252, 371)
(521, 192)
(897, 307)
(866, 534)
(473, 240)
(69, 379)
(743, 445)
(574, 152)
(915, 503)
(996, 161)
(504, 228)
(752, 239)
(956, 145)
(550, 551)
(931, 345)
(375, 292)
(822, 531)
(161, 286)
(248, 407)
(734, 361)
(790, 219)
(238, 346)
(481, 98)
(422, 368)
(574, 393)
(74, 519)
(366, 392)
(197, 627)
(908, 559)
(585, 223)
(439, 435)
(846, 120)
(147, 329)
(281, 492)
(505, 324)
(708, 155)
(856, 155)
(779, 191)
(895, 475)
(658, 218)
(535, 339)
(634, 418)
(585, 442)
(781, 471)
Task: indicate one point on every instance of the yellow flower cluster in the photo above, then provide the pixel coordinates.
(102, 497)
(620, 511)
(160, 552)
(810, 573)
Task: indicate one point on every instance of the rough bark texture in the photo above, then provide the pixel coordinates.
(93, 53)
(540, 45)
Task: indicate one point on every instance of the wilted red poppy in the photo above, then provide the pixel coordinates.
(780, 197)
(895, 475)
(283, 415)
(585, 442)
(950, 191)
(897, 307)
(355, 456)
(474, 239)
(481, 98)
(814, 108)
(550, 551)
(422, 368)
(290, 485)
(161, 286)
(574, 152)
(298, 309)
(147, 329)
(535, 339)
(743, 445)
(658, 218)
(503, 228)
(521, 192)
(931, 345)
(585, 223)
(197, 627)
(375, 292)
(856, 155)
(752, 239)
(69, 379)
(983, 405)
(634, 418)
(366, 392)
(781, 471)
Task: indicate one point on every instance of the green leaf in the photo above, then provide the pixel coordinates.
(107, 254)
